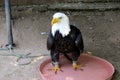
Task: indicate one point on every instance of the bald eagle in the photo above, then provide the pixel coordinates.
(64, 38)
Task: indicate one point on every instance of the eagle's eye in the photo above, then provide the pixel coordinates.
(60, 17)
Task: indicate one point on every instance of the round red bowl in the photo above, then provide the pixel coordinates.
(92, 68)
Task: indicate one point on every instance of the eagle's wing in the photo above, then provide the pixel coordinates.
(50, 41)
(79, 41)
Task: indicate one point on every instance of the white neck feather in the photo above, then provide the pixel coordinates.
(64, 29)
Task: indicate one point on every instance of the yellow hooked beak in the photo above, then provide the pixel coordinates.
(55, 20)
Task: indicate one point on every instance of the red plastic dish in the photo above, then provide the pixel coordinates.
(94, 68)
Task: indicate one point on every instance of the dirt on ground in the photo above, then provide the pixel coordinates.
(100, 30)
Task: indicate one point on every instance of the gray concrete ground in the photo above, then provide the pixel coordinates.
(101, 34)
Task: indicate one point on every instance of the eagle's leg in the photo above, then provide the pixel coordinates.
(55, 61)
(75, 56)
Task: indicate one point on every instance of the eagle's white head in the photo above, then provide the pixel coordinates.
(60, 22)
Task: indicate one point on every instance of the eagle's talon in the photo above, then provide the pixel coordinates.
(55, 69)
(75, 66)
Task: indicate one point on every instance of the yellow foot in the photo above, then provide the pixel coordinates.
(76, 66)
(56, 69)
